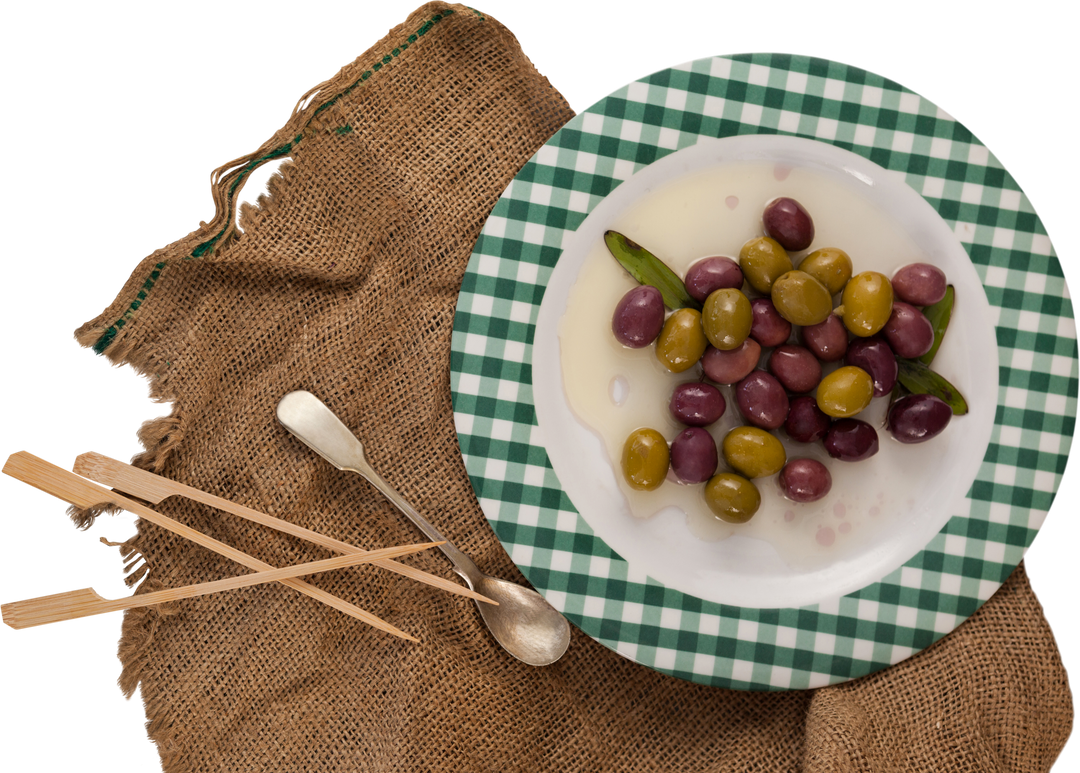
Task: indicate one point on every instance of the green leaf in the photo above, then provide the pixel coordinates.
(648, 269)
(939, 315)
(918, 379)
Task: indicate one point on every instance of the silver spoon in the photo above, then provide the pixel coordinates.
(524, 623)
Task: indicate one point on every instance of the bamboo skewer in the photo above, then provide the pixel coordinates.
(82, 493)
(85, 602)
(154, 488)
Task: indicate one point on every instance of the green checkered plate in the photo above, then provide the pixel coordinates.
(732, 613)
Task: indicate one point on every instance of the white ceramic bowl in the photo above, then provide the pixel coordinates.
(748, 572)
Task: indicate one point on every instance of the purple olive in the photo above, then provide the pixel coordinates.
(917, 418)
(697, 405)
(638, 317)
(806, 422)
(909, 332)
(796, 368)
(762, 400)
(805, 480)
(709, 274)
(789, 223)
(731, 366)
(768, 327)
(693, 455)
(875, 357)
(828, 340)
(919, 284)
(851, 440)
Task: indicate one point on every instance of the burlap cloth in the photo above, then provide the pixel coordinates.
(344, 282)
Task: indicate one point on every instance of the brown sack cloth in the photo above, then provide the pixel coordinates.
(344, 282)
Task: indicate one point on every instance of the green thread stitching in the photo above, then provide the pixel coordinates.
(205, 247)
(108, 336)
(343, 129)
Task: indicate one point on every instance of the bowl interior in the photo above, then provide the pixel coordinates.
(740, 570)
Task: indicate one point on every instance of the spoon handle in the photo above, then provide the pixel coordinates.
(310, 420)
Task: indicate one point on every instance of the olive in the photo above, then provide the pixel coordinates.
(693, 455)
(645, 459)
(762, 400)
(805, 480)
(763, 261)
(682, 341)
(732, 366)
(709, 274)
(801, 299)
(805, 422)
(867, 303)
(795, 367)
(768, 328)
(753, 452)
(828, 340)
(920, 284)
(638, 317)
(732, 498)
(697, 405)
(909, 332)
(875, 357)
(789, 223)
(917, 418)
(845, 392)
(830, 266)
(851, 440)
(727, 318)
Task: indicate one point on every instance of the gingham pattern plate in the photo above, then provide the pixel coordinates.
(491, 378)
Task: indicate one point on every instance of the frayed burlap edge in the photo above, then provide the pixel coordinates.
(108, 334)
(226, 181)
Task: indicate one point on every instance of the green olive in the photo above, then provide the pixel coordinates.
(727, 318)
(681, 341)
(830, 266)
(867, 303)
(845, 392)
(801, 299)
(732, 498)
(763, 261)
(645, 459)
(753, 452)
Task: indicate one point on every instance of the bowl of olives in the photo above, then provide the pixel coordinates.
(804, 396)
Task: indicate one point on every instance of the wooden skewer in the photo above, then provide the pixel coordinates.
(85, 602)
(154, 488)
(82, 493)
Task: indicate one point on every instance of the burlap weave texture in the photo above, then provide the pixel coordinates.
(344, 282)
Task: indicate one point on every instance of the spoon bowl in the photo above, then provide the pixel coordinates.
(521, 620)
(524, 623)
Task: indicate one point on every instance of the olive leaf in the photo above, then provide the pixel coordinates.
(648, 269)
(939, 315)
(919, 379)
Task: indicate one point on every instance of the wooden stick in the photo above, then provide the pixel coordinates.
(82, 493)
(154, 488)
(86, 602)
